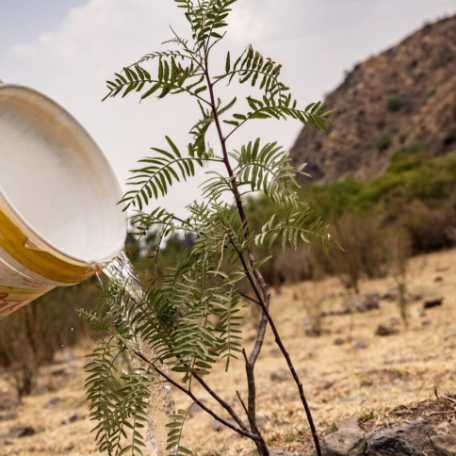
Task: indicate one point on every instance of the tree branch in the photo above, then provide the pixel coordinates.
(286, 355)
(264, 303)
(195, 399)
(224, 404)
(264, 447)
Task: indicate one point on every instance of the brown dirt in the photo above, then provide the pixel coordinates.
(393, 379)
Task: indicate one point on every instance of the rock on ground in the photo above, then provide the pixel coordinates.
(51, 403)
(429, 304)
(17, 432)
(280, 375)
(281, 452)
(362, 304)
(195, 409)
(360, 345)
(385, 330)
(406, 440)
(8, 399)
(442, 445)
(72, 419)
(8, 416)
(350, 422)
(344, 442)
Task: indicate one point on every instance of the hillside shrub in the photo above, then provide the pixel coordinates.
(383, 141)
(395, 103)
(416, 194)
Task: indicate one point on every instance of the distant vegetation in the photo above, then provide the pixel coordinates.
(414, 199)
(31, 336)
(413, 203)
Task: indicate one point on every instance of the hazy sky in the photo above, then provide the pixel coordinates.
(68, 48)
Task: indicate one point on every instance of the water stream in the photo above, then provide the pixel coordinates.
(160, 403)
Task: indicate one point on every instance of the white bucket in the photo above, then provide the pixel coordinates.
(58, 199)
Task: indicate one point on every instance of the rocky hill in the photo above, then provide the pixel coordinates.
(404, 97)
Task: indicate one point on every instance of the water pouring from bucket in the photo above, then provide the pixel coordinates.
(59, 218)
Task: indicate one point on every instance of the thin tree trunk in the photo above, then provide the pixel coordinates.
(263, 300)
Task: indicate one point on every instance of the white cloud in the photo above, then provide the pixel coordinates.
(72, 62)
(246, 26)
(315, 41)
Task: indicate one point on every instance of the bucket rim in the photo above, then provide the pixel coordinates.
(86, 261)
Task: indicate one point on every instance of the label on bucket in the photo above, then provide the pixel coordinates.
(11, 277)
(12, 299)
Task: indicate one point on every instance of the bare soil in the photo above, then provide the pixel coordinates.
(380, 380)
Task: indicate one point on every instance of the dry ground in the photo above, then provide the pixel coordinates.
(380, 383)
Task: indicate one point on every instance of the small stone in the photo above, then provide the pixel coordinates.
(195, 409)
(361, 304)
(360, 345)
(64, 372)
(275, 352)
(18, 432)
(260, 421)
(351, 304)
(219, 427)
(350, 422)
(8, 399)
(71, 419)
(280, 375)
(426, 323)
(311, 332)
(345, 442)
(339, 341)
(8, 416)
(438, 279)
(391, 295)
(431, 303)
(51, 403)
(66, 358)
(370, 302)
(385, 330)
(280, 452)
(328, 385)
(406, 440)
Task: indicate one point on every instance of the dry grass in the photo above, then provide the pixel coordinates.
(372, 382)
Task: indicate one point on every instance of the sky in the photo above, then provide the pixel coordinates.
(68, 48)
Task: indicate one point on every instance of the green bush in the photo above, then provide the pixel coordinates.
(429, 228)
(430, 93)
(383, 141)
(417, 193)
(395, 103)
